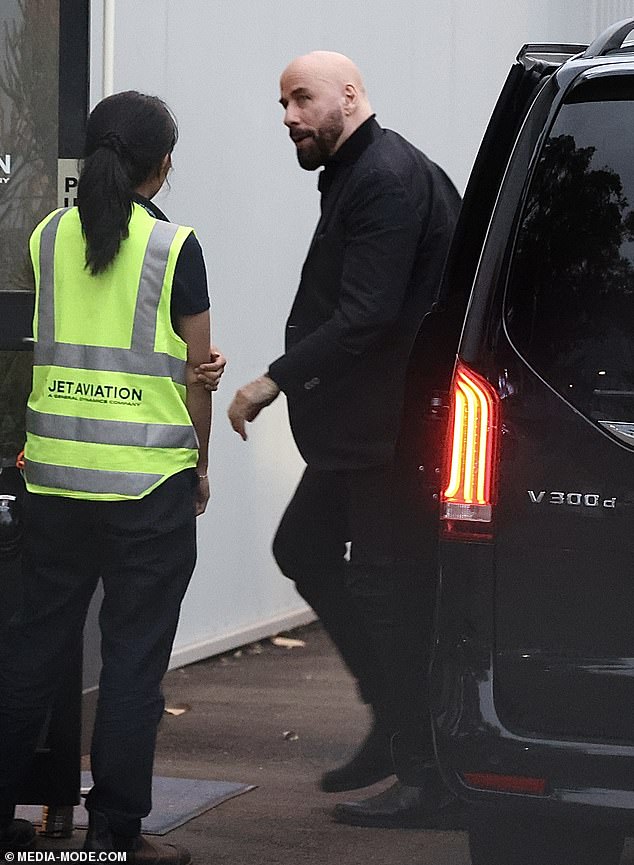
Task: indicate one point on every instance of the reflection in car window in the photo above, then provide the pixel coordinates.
(570, 299)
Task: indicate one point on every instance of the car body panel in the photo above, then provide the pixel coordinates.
(533, 663)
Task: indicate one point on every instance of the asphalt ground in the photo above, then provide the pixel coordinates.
(277, 717)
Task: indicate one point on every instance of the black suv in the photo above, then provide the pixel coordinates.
(532, 673)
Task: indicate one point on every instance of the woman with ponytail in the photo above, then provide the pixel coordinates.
(129, 141)
(116, 467)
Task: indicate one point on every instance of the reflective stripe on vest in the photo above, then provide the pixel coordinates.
(110, 432)
(90, 480)
(109, 360)
(78, 431)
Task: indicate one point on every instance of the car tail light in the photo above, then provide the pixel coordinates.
(506, 783)
(471, 450)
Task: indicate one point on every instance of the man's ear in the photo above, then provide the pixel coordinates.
(350, 99)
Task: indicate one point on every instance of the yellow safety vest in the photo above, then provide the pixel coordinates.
(106, 419)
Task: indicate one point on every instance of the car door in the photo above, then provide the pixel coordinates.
(434, 353)
(564, 541)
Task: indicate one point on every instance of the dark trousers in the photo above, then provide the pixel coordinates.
(144, 552)
(375, 603)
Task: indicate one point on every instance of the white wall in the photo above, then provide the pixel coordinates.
(433, 72)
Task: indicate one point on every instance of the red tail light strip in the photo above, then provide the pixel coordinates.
(506, 783)
(473, 430)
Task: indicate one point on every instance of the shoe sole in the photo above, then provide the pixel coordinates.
(451, 818)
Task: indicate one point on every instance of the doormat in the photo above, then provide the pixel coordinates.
(175, 801)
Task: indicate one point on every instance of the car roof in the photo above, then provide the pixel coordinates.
(611, 53)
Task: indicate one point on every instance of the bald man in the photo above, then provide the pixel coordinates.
(372, 272)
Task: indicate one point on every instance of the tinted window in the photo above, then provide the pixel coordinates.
(569, 307)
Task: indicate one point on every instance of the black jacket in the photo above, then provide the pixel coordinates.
(372, 272)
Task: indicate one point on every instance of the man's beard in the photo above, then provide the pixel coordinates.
(323, 142)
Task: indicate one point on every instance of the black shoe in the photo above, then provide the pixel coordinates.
(139, 850)
(142, 851)
(404, 807)
(99, 838)
(371, 763)
(17, 835)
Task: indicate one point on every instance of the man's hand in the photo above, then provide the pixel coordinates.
(210, 373)
(249, 402)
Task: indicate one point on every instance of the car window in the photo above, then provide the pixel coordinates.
(570, 299)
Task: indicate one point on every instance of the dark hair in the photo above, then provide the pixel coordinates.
(127, 137)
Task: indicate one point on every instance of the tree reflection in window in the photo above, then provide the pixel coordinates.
(569, 304)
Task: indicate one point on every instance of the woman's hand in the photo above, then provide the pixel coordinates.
(201, 495)
(211, 372)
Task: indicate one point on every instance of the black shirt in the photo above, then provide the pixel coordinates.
(190, 294)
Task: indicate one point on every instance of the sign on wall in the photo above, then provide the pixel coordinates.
(67, 179)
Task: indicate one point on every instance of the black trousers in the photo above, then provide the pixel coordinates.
(144, 551)
(375, 598)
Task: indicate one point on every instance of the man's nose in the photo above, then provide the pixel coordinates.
(290, 117)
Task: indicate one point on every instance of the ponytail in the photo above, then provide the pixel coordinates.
(127, 138)
(104, 196)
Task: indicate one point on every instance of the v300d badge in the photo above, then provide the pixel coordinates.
(587, 500)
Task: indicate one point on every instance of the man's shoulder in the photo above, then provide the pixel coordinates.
(392, 159)
(392, 154)
(394, 148)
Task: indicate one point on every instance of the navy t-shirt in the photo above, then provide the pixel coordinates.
(190, 294)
